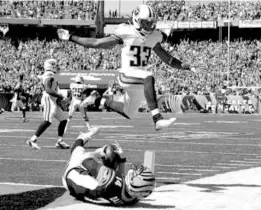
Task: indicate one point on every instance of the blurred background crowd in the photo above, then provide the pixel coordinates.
(245, 63)
(166, 10)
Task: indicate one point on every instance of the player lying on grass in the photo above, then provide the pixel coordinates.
(138, 41)
(99, 176)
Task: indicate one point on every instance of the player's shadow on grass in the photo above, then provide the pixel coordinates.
(140, 204)
(30, 200)
(153, 206)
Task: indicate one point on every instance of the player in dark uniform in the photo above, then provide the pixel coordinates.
(19, 98)
(99, 176)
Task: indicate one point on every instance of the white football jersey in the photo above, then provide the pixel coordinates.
(77, 90)
(55, 86)
(136, 48)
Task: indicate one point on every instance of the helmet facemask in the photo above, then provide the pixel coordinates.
(144, 19)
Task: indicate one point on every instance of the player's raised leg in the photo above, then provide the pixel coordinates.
(151, 98)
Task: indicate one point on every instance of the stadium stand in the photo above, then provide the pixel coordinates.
(26, 55)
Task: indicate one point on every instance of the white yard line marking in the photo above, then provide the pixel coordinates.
(27, 184)
(104, 126)
(243, 161)
(226, 122)
(234, 164)
(179, 167)
(151, 141)
(29, 159)
(193, 169)
(258, 159)
(177, 173)
(196, 166)
(142, 150)
(167, 178)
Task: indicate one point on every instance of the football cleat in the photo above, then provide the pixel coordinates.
(161, 124)
(2, 110)
(89, 134)
(62, 145)
(33, 144)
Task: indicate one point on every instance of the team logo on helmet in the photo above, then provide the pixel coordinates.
(140, 181)
(144, 19)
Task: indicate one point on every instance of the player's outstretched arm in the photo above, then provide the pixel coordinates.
(168, 59)
(104, 43)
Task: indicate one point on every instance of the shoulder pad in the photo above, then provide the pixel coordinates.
(123, 30)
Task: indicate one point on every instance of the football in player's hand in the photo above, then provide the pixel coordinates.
(112, 159)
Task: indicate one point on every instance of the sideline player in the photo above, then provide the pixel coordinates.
(51, 108)
(77, 90)
(18, 100)
(137, 40)
(94, 176)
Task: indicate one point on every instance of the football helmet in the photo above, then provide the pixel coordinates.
(79, 79)
(51, 65)
(140, 181)
(144, 19)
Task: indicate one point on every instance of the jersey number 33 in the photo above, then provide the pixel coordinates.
(141, 55)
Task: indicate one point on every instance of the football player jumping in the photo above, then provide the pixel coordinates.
(99, 176)
(137, 40)
(50, 103)
(77, 90)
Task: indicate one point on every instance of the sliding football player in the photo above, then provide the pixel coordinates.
(93, 176)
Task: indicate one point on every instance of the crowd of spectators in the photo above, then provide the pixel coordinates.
(245, 62)
(206, 10)
(166, 10)
(80, 9)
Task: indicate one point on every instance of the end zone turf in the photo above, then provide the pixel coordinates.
(229, 191)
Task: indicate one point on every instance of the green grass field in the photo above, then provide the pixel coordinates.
(196, 146)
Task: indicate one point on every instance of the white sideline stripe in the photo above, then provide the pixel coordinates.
(177, 173)
(27, 184)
